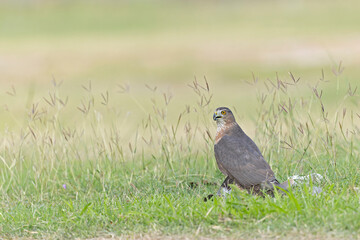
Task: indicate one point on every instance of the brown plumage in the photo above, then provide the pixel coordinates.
(239, 158)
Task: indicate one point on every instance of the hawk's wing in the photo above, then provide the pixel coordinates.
(242, 160)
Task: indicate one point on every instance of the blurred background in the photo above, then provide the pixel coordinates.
(127, 50)
(106, 106)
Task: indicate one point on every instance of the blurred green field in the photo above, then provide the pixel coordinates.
(166, 44)
(114, 101)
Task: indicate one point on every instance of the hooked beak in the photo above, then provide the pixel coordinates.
(215, 116)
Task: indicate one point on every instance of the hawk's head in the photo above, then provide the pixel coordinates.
(223, 115)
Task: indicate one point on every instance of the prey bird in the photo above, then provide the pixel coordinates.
(239, 159)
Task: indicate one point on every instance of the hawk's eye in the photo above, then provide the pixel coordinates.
(223, 112)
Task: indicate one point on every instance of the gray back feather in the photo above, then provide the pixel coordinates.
(239, 157)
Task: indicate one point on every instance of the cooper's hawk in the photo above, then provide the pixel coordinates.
(239, 158)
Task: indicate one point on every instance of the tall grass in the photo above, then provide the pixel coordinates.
(93, 167)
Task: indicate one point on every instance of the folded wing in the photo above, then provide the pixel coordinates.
(242, 160)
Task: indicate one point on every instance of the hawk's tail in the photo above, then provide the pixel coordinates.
(286, 185)
(293, 181)
(282, 187)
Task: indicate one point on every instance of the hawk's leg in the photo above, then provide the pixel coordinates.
(224, 188)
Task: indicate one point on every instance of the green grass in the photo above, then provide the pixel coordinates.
(96, 97)
(154, 181)
(98, 205)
